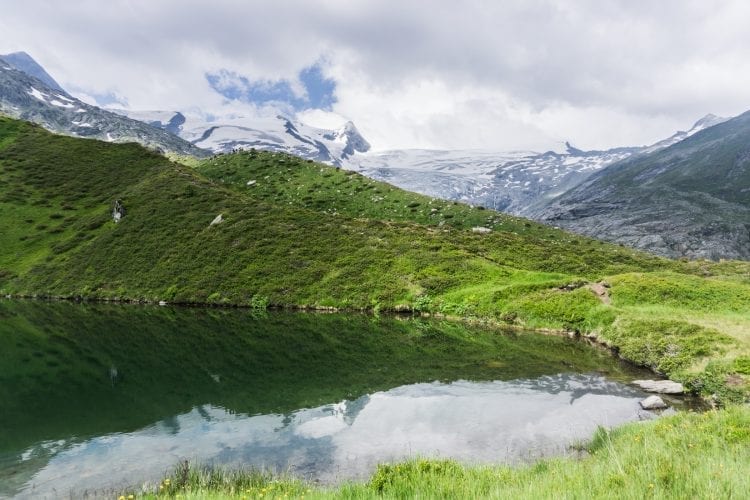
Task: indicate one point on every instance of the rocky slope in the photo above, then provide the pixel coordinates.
(26, 97)
(689, 199)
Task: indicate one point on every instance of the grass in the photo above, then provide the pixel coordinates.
(687, 455)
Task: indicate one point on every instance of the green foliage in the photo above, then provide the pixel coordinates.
(577, 310)
(665, 346)
(679, 290)
(259, 302)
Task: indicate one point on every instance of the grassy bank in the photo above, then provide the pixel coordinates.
(683, 456)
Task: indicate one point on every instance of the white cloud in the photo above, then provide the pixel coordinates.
(416, 73)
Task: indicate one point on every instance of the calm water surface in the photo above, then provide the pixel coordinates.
(98, 398)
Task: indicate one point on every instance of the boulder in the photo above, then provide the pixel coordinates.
(660, 386)
(118, 211)
(481, 230)
(653, 403)
(217, 220)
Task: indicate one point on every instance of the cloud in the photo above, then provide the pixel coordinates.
(419, 73)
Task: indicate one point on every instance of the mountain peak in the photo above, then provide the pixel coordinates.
(708, 121)
(354, 141)
(22, 61)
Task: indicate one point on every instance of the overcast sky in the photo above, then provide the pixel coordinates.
(505, 74)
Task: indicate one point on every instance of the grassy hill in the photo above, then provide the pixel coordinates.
(305, 234)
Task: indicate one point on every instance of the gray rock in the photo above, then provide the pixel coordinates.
(217, 220)
(660, 386)
(653, 403)
(118, 211)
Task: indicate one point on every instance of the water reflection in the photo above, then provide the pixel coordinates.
(82, 386)
(470, 421)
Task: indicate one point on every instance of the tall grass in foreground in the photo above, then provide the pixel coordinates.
(687, 455)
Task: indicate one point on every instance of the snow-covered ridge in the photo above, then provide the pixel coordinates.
(272, 133)
(515, 182)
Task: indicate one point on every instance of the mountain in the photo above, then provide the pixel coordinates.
(26, 97)
(273, 133)
(25, 63)
(691, 198)
(506, 181)
(513, 182)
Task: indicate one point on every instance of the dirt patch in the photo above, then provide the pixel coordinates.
(601, 290)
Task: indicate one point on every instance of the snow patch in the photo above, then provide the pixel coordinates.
(37, 94)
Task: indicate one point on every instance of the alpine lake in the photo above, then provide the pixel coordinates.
(96, 398)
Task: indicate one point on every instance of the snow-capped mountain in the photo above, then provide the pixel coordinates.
(24, 62)
(507, 181)
(513, 182)
(26, 97)
(271, 133)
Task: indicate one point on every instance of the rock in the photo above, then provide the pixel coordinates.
(217, 220)
(251, 183)
(653, 403)
(660, 386)
(118, 211)
(481, 230)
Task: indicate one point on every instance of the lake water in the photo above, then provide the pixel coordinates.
(95, 398)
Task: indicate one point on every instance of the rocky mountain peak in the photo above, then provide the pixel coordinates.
(22, 61)
(352, 138)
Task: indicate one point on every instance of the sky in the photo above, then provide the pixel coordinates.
(501, 75)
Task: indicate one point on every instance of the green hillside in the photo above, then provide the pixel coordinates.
(305, 234)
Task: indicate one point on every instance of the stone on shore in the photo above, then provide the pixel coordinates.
(660, 386)
(653, 403)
